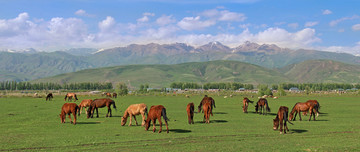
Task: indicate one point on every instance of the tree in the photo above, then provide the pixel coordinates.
(122, 89)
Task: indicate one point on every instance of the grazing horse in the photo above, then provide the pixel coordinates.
(68, 108)
(156, 112)
(49, 97)
(132, 110)
(70, 96)
(190, 112)
(100, 103)
(282, 118)
(207, 112)
(316, 107)
(246, 104)
(84, 103)
(108, 94)
(302, 107)
(205, 100)
(114, 95)
(262, 104)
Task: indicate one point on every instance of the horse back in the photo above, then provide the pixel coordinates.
(155, 111)
(69, 108)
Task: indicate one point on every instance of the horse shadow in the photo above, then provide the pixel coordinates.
(86, 123)
(213, 121)
(179, 130)
(220, 113)
(299, 131)
(271, 114)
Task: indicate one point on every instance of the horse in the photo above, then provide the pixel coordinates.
(282, 118)
(114, 95)
(132, 110)
(156, 112)
(100, 103)
(108, 94)
(49, 97)
(316, 107)
(68, 108)
(264, 106)
(207, 112)
(84, 103)
(302, 107)
(190, 112)
(70, 96)
(246, 104)
(205, 100)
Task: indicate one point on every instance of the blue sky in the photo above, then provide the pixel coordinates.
(327, 25)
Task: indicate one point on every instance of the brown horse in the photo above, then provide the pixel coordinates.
(70, 96)
(108, 94)
(156, 112)
(316, 107)
(302, 107)
(68, 108)
(207, 112)
(262, 104)
(190, 112)
(114, 95)
(246, 104)
(100, 103)
(282, 118)
(49, 97)
(205, 100)
(84, 103)
(132, 110)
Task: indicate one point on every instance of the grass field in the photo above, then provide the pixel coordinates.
(32, 124)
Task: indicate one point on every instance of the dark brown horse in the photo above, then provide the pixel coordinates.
(100, 103)
(70, 96)
(262, 104)
(49, 97)
(156, 112)
(302, 107)
(246, 104)
(114, 95)
(205, 100)
(190, 112)
(282, 118)
(316, 105)
(207, 111)
(68, 108)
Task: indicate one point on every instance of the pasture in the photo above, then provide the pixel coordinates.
(33, 124)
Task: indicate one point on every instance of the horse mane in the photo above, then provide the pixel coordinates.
(126, 114)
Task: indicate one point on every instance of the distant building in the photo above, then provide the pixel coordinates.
(241, 89)
(294, 89)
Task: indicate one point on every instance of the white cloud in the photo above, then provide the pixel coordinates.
(164, 20)
(107, 24)
(341, 30)
(149, 14)
(82, 12)
(335, 22)
(18, 25)
(194, 23)
(224, 15)
(310, 24)
(293, 25)
(326, 12)
(143, 19)
(356, 27)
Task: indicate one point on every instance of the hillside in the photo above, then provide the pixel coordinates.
(164, 75)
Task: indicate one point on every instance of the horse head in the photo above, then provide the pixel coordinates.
(147, 124)
(62, 118)
(276, 124)
(89, 111)
(123, 121)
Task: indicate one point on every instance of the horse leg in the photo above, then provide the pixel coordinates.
(154, 121)
(74, 114)
(130, 115)
(281, 127)
(135, 120)
(295, 116)
(159, 118)
(97, 113)
(143, 119)
(167, 128)
(70, 118)
(299, 114)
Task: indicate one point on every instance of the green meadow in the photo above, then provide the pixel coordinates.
(33, 124)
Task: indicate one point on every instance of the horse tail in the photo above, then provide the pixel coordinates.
(251, 101)
(113, 102)
(76, 97)
(65, 97)
(163, 113)
(267, 106)
(192, 109)
(213, 102)
(286, 117)
(146, 111)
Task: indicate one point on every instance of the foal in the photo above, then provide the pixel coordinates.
(68, 108)
(85, 103)
(246, 104)
(263, 105)
(132, 110)
(282, 118)
(156, 112)
(190, 112)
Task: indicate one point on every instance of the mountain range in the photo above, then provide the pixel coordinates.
(35, 65)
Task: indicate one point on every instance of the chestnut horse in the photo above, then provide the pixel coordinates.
(156, 112)
(100, 103)
(108, 94)
(205, 100)
(302, 107)
(246, 104)
(190, 112)
(68, 108)
(207, 112)
(49, 97)
(132, 110)
(84, 103)
(262, 104)
(70, 96)
(114, 95)
(316, 107)
(282, 118)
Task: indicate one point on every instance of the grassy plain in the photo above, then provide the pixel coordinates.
(33, 124)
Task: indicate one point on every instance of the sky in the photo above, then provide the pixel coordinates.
(50, 25)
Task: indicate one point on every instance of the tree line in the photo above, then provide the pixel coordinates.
(207, 86)
(13, 85)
